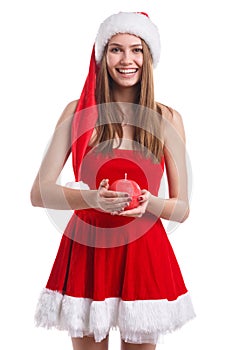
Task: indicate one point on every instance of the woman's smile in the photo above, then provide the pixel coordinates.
(125, 59)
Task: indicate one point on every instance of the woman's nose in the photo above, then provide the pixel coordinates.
(126, 58)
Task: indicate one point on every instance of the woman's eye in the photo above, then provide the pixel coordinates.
(118, 49)
(115, 49)
(137, 50)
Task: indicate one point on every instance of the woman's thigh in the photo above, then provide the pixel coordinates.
(88, 343)
(129, 346)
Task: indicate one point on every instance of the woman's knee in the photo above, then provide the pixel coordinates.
(89, 343)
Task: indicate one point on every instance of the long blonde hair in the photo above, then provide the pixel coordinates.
(147, 129)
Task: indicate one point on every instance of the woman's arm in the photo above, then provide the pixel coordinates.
(47, 193)
(176, 207)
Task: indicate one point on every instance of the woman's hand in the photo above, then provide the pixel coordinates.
(111, 201)
(141, 209)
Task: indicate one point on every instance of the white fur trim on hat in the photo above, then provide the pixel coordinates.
(132, 23)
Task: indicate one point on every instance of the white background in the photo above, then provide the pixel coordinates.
(45, 51)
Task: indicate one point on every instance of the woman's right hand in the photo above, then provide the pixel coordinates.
(111, 201)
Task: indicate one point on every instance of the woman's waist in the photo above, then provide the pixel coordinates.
(96, 228)
(100, 218)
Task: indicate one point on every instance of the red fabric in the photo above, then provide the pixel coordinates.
(143, 13)
(145, 269)
(85, 117)
(138, 264)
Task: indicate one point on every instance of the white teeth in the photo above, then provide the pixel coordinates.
(127, 71)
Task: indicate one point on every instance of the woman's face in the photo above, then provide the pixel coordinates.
(125, 59)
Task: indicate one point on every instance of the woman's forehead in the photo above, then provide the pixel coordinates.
(125, 38)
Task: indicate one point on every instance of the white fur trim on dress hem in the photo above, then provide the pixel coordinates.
(139, 321)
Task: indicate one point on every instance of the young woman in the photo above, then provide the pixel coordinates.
(115, 266)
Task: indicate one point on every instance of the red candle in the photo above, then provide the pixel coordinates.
(129, 186)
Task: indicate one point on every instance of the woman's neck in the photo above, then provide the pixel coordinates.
(126, 94)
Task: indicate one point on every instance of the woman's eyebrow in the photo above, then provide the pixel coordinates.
(116, 44)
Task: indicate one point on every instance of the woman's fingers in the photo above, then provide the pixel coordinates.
(115, 204)
(111, 201)
(114, 194)
(136, 212)
(104, 184)
(145, 196)
(141, 209)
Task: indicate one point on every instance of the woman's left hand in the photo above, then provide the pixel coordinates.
(141, 209)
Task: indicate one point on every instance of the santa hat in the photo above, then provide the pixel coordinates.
(136, 23)
(86, 114)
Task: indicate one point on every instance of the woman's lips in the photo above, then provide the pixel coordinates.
(127, 71)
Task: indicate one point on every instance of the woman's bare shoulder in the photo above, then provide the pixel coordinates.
(171, 118)
(169, 113)
(166, 111)
(68, 112)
